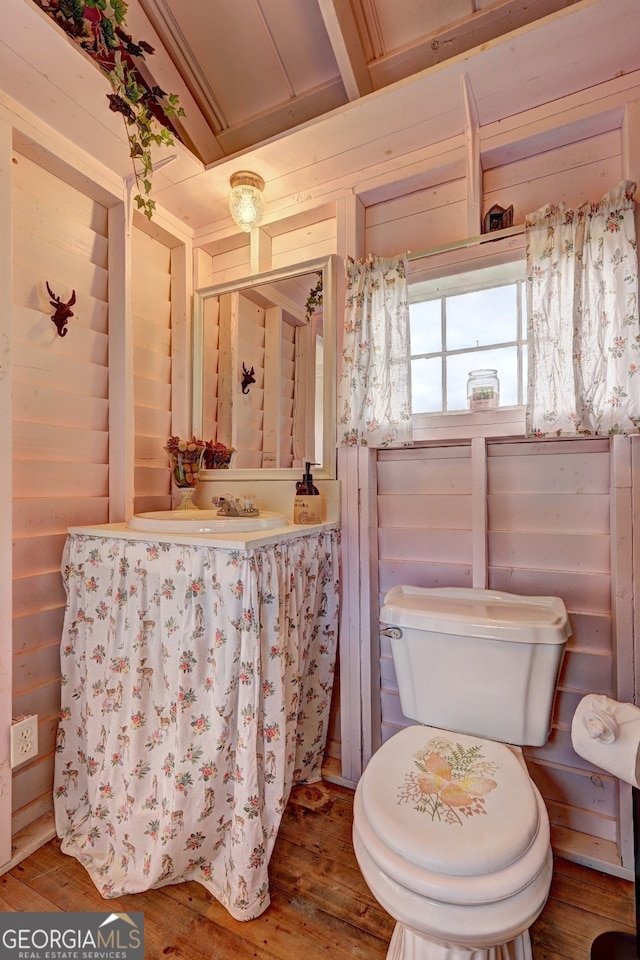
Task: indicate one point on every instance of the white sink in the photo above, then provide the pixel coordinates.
(203, 521)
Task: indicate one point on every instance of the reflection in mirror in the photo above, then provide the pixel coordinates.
(264, 370)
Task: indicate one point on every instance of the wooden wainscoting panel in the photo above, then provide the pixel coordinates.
(546, 538)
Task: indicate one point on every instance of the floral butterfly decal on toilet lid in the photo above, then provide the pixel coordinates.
(451, 781)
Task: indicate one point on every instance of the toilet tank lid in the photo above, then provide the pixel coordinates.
(468, 611)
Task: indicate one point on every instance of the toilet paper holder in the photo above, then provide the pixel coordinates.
(601, 725)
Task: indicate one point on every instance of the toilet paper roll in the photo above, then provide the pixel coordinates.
(607, 734)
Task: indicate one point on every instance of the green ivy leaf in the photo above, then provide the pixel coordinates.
(132, 91)
(108, 33)
(117, 70)
(147, 206)
(119, 8)
(72, 9)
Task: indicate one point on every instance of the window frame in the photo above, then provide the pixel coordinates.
(446, 266)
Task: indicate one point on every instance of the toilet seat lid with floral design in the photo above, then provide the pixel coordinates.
(449, 802)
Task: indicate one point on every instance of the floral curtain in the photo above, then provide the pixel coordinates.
(196, 690)
(374, 395)
(582, 306)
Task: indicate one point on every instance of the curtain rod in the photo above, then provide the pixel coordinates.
(470, 242)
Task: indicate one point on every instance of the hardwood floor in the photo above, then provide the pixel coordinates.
(320, 905)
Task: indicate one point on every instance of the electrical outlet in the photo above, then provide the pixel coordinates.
(24, 739)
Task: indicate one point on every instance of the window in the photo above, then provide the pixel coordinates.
(462, 323)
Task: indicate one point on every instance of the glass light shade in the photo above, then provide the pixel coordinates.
(246, 202)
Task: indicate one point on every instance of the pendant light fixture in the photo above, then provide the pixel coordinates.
(246, 201)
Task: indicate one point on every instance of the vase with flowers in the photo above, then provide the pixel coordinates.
(185, 459)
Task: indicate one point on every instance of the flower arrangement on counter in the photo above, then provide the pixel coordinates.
(185, 457)
(189, 457)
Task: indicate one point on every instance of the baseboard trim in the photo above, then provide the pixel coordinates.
(332, 773)
(30, 839)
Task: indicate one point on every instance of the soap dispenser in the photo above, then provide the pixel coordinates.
(307, 504)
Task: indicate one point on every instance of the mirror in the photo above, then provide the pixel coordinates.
(264, 370)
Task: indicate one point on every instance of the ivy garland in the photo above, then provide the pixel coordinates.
(314, 300)
(98, 27)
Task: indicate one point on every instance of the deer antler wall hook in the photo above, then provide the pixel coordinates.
(248, 377)
(63, 311)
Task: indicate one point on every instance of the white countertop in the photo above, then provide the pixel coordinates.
(242, 540)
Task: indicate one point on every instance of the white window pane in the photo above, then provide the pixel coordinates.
(482, 317)
(426, 386)
(457, 373)
(504, 360)
(425, 327)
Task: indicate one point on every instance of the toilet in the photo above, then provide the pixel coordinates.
(450, 833)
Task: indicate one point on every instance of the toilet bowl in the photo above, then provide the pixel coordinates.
(473, 879)
(449, 831)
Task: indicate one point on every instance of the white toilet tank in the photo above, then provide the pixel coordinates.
(475, 661)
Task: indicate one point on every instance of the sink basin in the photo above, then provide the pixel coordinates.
(203, 521)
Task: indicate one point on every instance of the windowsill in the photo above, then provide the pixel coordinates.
(462, 425)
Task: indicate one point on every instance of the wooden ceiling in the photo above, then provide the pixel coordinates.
(258, 68)
(318, 95)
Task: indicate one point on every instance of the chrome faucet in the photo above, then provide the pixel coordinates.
(229, 507)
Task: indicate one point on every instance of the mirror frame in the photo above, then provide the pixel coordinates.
(325, 265)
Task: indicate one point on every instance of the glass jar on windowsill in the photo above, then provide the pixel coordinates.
(483, 390)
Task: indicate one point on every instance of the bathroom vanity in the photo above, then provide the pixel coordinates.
(197, 678)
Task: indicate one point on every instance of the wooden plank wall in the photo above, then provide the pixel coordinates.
(424, 508)
(578, 173)
(426, 529)
(211, 342)
(548, 514)
(264, 415)
(287, 391)
(549, 533)
(249, 406)
(60, 438)
(152, 371)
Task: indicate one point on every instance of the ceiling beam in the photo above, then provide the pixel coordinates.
(347, 48)
(277, 121)
(489, 23)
